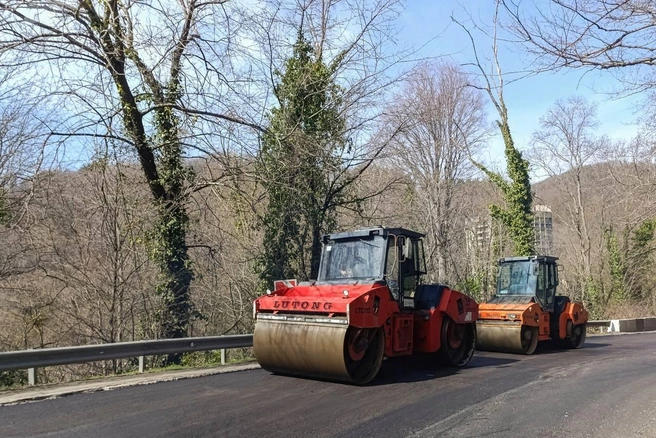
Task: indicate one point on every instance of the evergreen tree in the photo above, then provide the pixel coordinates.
(300, 159)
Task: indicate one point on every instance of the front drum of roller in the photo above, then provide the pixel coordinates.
(506, 337)
(317, 350)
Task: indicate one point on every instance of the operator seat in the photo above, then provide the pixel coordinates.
(428, 296)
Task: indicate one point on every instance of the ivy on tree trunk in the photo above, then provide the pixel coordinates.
(301, 151)
(165, 172)
(517, 216)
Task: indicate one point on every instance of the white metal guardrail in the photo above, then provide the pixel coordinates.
(39, 358)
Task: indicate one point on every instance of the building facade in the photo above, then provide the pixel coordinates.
(481, 233)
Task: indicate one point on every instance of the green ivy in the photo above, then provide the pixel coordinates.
(595, 301)
(517, 216)
(617, 266)
(5, 213)
(13, 378)
(643, 236)
(167, 239)
(300, 152)
(640, 260)
(473, 285)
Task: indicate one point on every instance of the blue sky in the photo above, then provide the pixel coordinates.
(526, 99)
(429, 22)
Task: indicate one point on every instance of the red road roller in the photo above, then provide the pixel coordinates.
(368, 303)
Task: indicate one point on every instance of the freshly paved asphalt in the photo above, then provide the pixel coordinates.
(606, 389)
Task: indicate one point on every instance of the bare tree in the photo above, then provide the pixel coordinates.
(590, 34)
(99, 259)
(225, 241)
(22, 157)
(443, 122)
(564, 146)
(158, 80)
(610, 35)
(517, 215)
(616, 36)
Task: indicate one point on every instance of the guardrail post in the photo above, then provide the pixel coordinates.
(31, 376)
(141, 364)
(223, 356)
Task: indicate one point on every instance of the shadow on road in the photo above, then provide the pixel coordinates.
(485, 361)
(415, 368)
(547, 347)
(421, 368)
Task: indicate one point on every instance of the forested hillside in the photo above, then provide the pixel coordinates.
(161, 164)
(607, 246)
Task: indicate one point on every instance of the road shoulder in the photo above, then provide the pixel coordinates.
(24, 395)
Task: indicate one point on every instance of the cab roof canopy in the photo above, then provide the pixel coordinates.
(373, 231)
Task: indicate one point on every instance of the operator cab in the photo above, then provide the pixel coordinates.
(394, 256)
(535, 276)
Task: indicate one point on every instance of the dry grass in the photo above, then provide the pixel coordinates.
(631, 310)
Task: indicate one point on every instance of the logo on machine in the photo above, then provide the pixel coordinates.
(304, 305)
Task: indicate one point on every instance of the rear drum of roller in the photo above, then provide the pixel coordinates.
(506, 337)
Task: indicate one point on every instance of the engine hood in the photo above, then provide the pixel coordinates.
(322, 298)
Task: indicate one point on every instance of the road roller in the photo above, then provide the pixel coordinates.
(369, 303)
(526, 310)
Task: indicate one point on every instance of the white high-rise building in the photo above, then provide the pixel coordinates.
(543, 223)
(479, 236)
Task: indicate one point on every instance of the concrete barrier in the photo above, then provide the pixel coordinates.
(632, 325)
(650, 324)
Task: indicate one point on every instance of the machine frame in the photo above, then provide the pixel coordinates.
(516, 320)
(341, 327)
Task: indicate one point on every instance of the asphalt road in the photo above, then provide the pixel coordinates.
(606, 389)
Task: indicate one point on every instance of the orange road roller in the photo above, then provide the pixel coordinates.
(369, 302)
(525, 309)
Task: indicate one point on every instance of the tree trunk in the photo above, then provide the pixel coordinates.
(316, 252)
(166, 186)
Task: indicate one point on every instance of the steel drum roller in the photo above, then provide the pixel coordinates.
(317, 350)
(506, 337)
